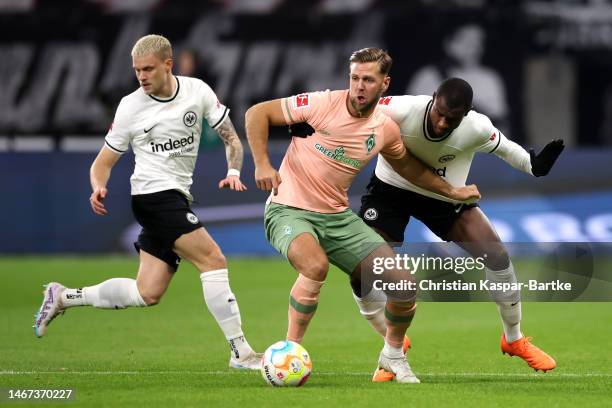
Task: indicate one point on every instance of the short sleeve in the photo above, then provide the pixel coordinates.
(214, 111)
(118, 137)
(393, 146)
(306, 107)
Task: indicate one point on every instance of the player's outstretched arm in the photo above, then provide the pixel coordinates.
(415, 171)
(513, 154)
(98, 175)
(234, 154)
(258, 120)
(542, 163)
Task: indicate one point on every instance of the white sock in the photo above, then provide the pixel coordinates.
(372, 308)
(511, 319)
(392, 352)
(116, 293)
(508, 304)
(223, 306)
(72, 297)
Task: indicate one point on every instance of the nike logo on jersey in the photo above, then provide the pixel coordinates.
(149, 129)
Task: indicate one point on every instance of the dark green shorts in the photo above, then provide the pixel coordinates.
(344, 237)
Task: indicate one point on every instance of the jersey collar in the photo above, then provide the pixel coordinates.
(178, 87)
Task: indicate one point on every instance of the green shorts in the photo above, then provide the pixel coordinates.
(344, 237)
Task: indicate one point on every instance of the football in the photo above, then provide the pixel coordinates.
(286, 364)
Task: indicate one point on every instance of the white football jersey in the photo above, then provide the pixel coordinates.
(165, 134)
(449, 157)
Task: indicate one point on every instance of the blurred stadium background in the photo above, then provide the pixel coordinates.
(540, 69)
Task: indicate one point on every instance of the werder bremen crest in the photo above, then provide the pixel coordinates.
(370, 142)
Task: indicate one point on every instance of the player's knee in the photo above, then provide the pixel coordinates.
(401, 286)
(211, 259)
(408, 297)
(497, 259)
(316, 269)
(216, 259)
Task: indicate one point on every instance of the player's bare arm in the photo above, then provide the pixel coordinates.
(98, 175)
(258, 120)
(415, 171)
(234, 154)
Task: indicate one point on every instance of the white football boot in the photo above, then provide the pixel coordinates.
(49, 309)
(250, 362)
(399, 367)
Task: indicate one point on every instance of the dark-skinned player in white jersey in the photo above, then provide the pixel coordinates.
(162, 121)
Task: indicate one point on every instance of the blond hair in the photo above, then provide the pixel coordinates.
(152, 44)
(373, 55)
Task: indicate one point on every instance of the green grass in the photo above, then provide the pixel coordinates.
(173, 354)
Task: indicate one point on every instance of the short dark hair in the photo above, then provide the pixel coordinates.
(457, 93)
(372, 54)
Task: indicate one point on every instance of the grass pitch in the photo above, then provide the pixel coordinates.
(173, 354)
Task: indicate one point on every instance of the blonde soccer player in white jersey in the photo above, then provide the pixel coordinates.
(162, 121)
(445, 133)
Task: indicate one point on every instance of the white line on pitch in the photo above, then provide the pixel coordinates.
(462, 374)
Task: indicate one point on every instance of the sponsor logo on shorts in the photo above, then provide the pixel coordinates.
(192, 218)
(370, 214)
(190, 118)
(287, 230)
(446, 158)
(493, 136)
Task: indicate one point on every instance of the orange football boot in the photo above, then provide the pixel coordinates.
(382, 375)
(536, 358)
(406, 344)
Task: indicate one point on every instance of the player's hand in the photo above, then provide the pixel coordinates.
(467, 194)
(543, 162)
(96, 200)
(301, 129)
(267, 178)
(233, 183)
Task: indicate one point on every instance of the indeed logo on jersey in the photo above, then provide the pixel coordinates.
(172, 144)
(440, 172)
